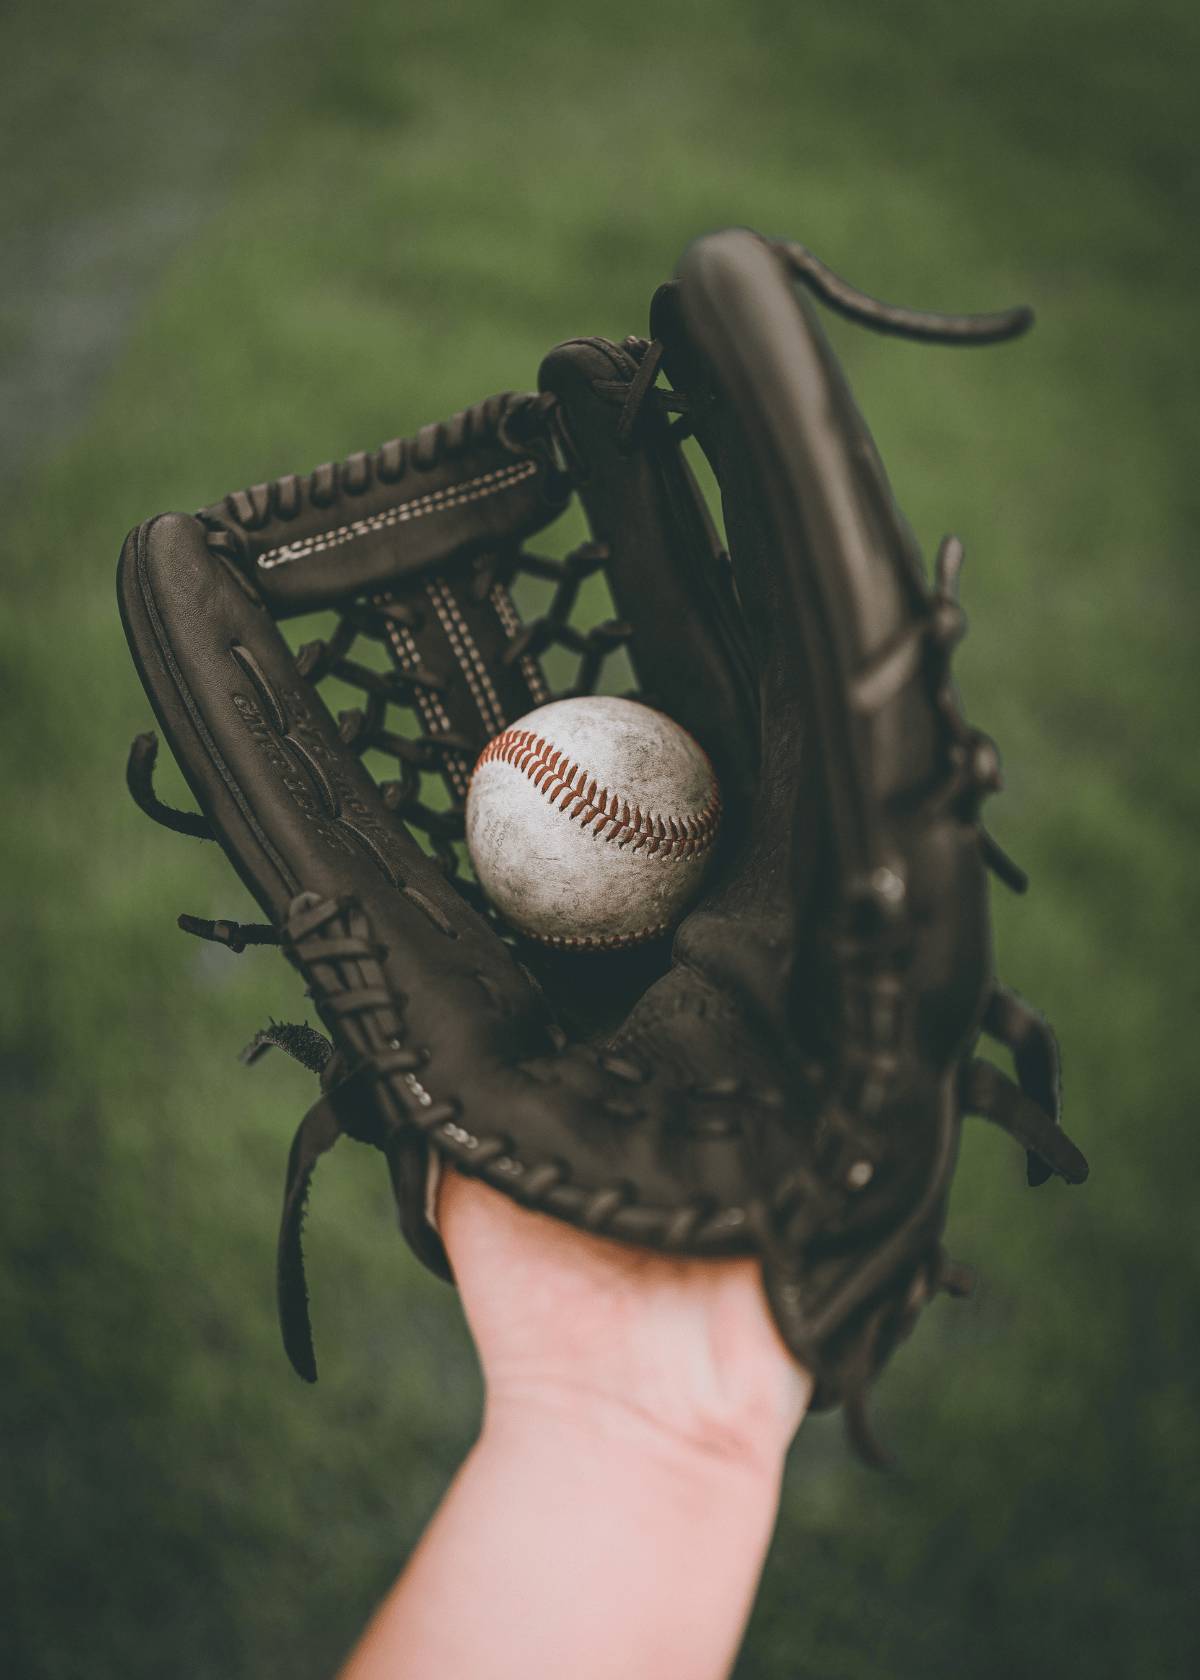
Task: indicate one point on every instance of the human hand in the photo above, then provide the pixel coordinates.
(614, 1515)
(679, 1349)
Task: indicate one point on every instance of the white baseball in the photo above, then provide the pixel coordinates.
(591, 822)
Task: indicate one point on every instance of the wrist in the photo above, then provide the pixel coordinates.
(618, 1430)
(665, 1533)
(585, 1535)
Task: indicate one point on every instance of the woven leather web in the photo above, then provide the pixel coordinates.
(368, 662)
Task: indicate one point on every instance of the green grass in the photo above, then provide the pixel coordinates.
(244, 240)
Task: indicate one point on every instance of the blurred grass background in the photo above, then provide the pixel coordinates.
(239, 237)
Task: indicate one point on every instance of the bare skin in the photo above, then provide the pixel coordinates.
(615, 1512)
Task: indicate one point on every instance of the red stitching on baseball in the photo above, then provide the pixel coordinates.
(562, 784)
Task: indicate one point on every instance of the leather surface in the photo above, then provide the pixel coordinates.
(411, 505)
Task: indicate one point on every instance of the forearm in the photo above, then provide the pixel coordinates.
(579, 1541)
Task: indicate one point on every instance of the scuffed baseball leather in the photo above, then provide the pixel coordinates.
(787, 1077)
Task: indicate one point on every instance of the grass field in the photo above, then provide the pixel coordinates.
(241, 239)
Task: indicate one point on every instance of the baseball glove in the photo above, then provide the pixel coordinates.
(787, 1075)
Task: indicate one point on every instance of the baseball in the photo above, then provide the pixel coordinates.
(591, 822)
